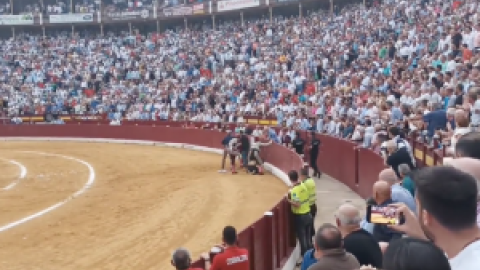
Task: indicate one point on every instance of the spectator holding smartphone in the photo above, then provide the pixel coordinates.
(447, 214)
(382, 194)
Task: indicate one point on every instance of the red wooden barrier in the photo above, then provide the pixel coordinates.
(270, 240)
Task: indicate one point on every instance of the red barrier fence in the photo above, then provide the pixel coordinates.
(270, 240)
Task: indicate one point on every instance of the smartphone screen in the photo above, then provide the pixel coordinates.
(382, 215)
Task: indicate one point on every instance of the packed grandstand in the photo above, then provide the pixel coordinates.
(352, 70)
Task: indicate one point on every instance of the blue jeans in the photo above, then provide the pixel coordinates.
(245, 158)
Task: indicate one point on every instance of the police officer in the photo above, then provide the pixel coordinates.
(310, 185)
(299, 199)
(314, 149)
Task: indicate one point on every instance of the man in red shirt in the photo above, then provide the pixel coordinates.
(181, 260)
(232, 257)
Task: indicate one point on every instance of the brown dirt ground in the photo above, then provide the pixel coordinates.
(9, 173)
(146, 201)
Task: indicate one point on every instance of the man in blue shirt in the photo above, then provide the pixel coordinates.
(396, 112)
(272, 135)
(435, 120)
(399, 193)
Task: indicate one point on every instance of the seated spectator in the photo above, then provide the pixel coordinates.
(414, 254)
(407, 181)
(461, 127)
(330, 252)
(357, 241)
(382, 194)
(447, 207)
(399, 193)
(182, 260)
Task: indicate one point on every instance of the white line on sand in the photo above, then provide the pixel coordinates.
(23, 173)
(88, 184)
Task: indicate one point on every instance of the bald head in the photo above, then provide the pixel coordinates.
(461, 118)
(181, 259)
(468, 165)
(348, 215)
(328, 237)
(381, 191)
(388, 175)
(460, 113)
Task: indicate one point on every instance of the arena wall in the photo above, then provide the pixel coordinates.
(271, 239)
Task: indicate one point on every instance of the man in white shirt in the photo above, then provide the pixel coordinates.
(475, 109)
(447, 214)
(451, 64)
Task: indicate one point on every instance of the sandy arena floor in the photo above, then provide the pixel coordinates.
(145, 202)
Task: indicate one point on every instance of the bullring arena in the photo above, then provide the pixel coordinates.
(78, 205)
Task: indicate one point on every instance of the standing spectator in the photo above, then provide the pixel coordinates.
(414, 254)
(398, 137)
(447, 214)
(330, 251)
(435, 120)
(182, 260)
(232, 257)
(396, 156)
(357, 241)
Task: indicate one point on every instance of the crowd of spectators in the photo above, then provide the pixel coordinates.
(5, 7)
(411, 64)
(437, 211)
(372, 75)
(50, 7)
(128, 5)
(53, 7)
